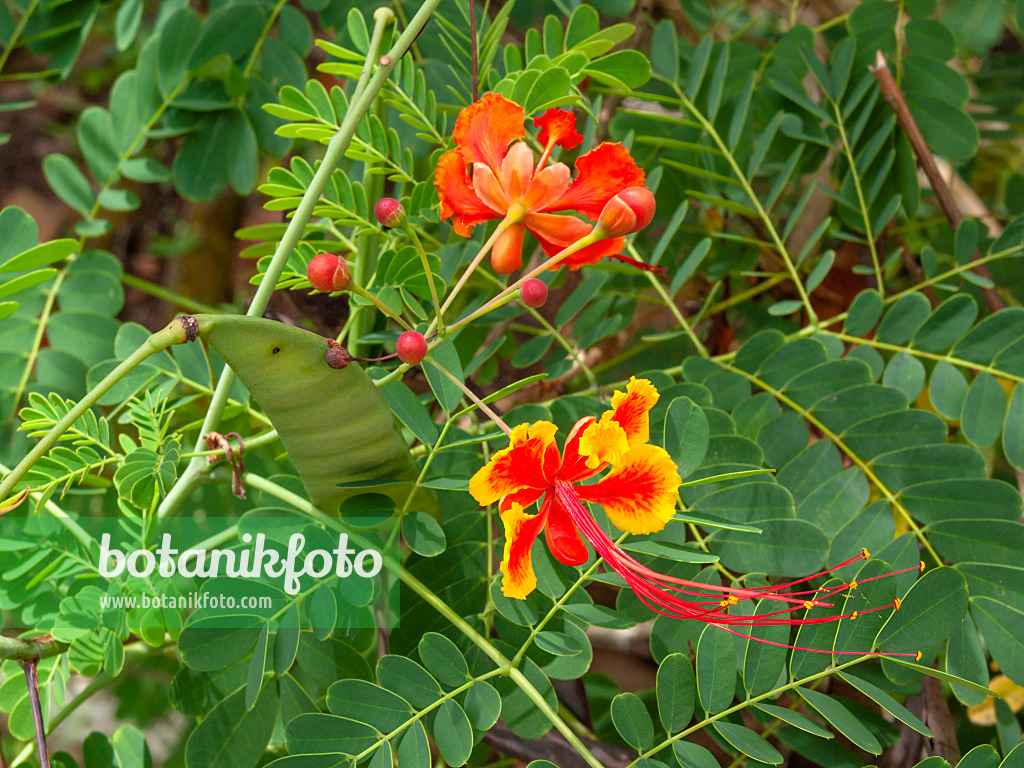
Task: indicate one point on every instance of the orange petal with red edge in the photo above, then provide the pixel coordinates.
(530, 461)
(602, 173)
(546, 186)
(558, 126)
(556, 231)
(563, 538)
(457, 195)
(631, 409)
(521, 530)
(486, 127)
(639, 494)
(507, 251)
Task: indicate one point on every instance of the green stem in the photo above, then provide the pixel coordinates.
(274, 13)
(381, 306)
(13, 41)
(499, 422)
(429, 597)
(484, 250)
(780, 247)
(411, 232)
(744, 704)
(157, 342)
(864, 209)
(14, 648)
(509, 293)
(293, 234)
(171, 297)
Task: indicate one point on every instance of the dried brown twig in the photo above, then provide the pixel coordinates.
(894, 97)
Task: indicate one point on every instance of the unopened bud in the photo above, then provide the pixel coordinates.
(327, 272)
(629, 211)
(389, 212)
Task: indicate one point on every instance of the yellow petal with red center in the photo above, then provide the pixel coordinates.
(507, 251)
(558, 126)
(457, 195)
(555, 232)
(521, 530)
(631, 409)
(530, 461)
(639, 494)
(603, 172)
(603, 442)
(486, 127)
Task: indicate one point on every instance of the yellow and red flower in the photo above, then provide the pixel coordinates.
(487, 176)
(638, 495)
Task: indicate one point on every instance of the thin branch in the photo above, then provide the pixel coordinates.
(894, 97)
(473, 47)
(32, 680)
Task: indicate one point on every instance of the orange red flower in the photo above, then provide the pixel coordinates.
(492, 175)
(638, 494)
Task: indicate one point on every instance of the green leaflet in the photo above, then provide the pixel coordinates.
(334, 423)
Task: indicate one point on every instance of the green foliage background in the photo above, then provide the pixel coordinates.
(839, 368)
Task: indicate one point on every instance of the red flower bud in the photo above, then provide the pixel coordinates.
(411, 348)
(328, 273)
(389, 212)
(629, 211)
(534, 292)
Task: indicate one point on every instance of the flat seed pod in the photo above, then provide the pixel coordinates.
(333, 422)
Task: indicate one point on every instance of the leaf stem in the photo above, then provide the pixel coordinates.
(293, 234)
(472, 396)
(157, 342)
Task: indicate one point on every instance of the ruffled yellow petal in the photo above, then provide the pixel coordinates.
(603, 442)
(529, 462)
(521, 530)
(630, 410)
(639, 494)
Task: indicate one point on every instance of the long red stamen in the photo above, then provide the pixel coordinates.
(661, 593)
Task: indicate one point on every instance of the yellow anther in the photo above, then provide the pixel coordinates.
(864, 553)
(918, 657)
(897, 603)
(724, 604)
(853, 585)
(853, 615)
(922, 566)
(733, 599)
(808, 604)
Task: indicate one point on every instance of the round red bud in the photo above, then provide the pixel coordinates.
(411, 348)
(533, 292)
(328, 273)
(389, 212)
(629, 211)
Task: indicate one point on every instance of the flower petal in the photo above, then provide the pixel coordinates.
(558, 126)
(574, 465)
(457, 194)
(521, 530)
(530, 461)
(563, 538)
(517, 170)
(602, 173)
(486, 127)
(488, 188)
(639, 494)
(546, 186)
(631, 410)
(603, 442)
(555, 232)
(507, 251)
